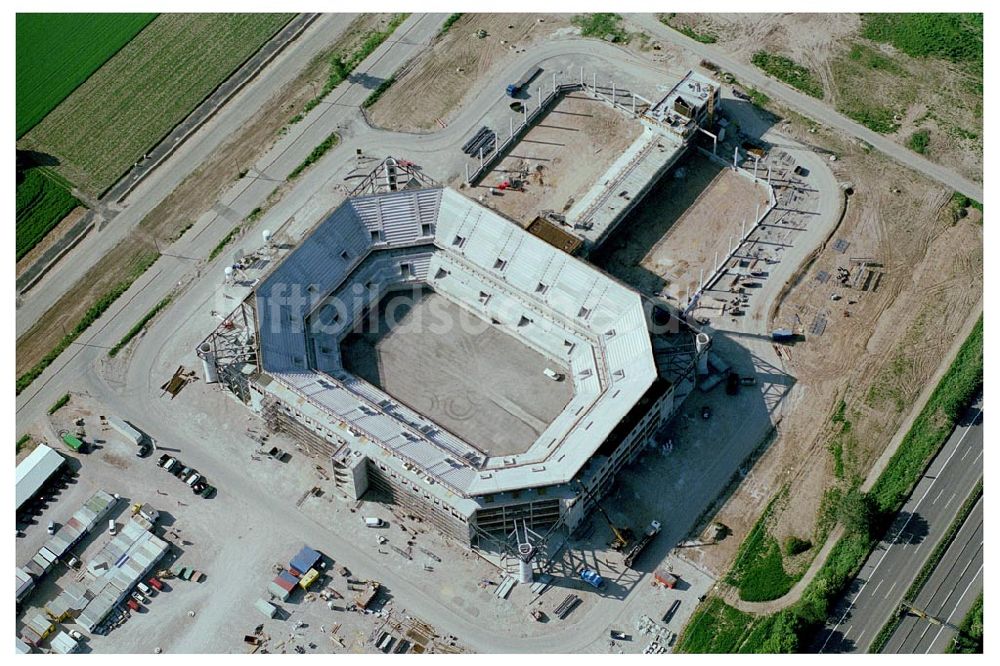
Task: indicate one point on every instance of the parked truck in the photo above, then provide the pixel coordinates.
(514, 88)
(640, 545)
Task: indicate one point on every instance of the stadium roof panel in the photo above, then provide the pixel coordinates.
(558, 305)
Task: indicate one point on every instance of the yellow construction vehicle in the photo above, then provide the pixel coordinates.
(623, 535)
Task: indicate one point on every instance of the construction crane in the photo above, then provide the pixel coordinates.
(622, 534)
(923, 615)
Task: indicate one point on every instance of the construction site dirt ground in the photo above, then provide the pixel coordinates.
(861, 77)
(687, 220)
(882, 338)
(442, 77)
(466, 374)
(560, 158)
(182, 207)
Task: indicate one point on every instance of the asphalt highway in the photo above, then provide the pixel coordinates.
(879, 587)
(948, 594)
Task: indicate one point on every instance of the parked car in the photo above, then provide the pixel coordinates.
(52, 527)
(145, 589)
(374, 522)
(620, 635)
(143, 450)
(193, 479)
(112, 528)
(208, 492)
(706, 412)
(185, 473)
(156, 584)
(162, 460)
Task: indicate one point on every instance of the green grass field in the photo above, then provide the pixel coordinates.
(954, 37)
(140, 94)
(41, 203)
(787, 70)
(57, 52)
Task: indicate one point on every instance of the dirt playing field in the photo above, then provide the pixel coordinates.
(686, 219)
(452, 67)
(185, 204)
(879, 344)
(862, 78)
(561, 158)
(464, 373)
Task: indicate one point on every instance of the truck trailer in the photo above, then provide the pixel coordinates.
(636, 550)
(514, 88)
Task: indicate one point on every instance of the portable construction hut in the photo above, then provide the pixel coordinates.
(24, 582)
(665, 578)
(21, 647)
(31, 637)
(266, 607)
(60, 608)
(63, 643)
(308, 578)
(41, 625)
(306, 559)
(282, 586)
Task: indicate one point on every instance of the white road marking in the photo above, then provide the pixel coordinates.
(877, 586)
(891, 589)
(910, 517)
(934, 501)
(948, 619)
(950, 500)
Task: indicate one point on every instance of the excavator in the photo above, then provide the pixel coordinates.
(623, 535)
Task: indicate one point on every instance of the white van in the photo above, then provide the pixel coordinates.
(112, 528)
(553, 375)
(374, 522)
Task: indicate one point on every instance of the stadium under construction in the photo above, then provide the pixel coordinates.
(440, 357)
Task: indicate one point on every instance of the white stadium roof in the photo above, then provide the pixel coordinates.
(558, 305)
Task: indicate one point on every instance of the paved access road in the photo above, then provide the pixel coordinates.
(879, 587)
(948, 595)
(156, 185)
(812, 107)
